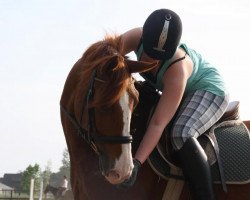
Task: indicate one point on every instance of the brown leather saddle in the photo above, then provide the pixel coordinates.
(222, 149)
(165, 148)
(162, 159)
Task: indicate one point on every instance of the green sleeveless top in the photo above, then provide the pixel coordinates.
(204, 76)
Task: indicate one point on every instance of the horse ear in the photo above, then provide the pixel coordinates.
(139, 66)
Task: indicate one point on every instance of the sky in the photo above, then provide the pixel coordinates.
(40, 40)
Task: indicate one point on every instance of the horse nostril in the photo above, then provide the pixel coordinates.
(113, 174)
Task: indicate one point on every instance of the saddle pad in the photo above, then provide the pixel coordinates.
(234, 147)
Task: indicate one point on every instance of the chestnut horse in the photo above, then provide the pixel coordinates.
(97, 103)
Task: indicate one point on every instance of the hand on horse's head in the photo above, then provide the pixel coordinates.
(130, 182)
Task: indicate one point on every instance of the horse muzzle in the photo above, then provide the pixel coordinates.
(114, 177)
(113, 172)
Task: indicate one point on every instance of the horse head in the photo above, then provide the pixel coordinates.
(102, 100)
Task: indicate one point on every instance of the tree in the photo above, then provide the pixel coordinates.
(64, 170)
(29, 173)
(66, 160)
(45, 175)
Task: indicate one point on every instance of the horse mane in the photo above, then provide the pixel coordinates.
(105, 57)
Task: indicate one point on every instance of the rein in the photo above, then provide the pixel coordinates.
(91, 135)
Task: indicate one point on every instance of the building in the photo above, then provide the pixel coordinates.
(12, 180)
(4, 189)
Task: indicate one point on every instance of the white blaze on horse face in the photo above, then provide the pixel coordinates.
(124, 164)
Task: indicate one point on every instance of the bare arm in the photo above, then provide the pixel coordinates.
(174, 80)
(130, 40)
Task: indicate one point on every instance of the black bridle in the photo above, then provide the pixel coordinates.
(91, 135)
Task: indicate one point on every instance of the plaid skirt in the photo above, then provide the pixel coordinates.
(197, 113)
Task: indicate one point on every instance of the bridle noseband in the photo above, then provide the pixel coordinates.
(91, 135)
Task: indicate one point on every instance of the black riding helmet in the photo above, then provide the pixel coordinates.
(161, 34)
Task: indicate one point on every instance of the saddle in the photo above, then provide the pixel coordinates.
(226, 144)
(165, 148)
(227, 147)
